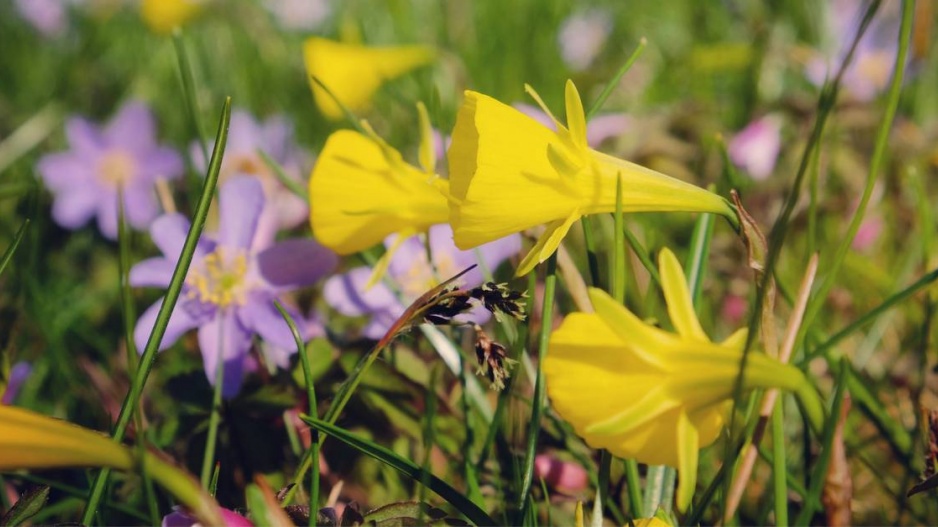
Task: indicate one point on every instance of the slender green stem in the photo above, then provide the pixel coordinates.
(591, 259)
(643, 256)
(779, 465)
(129, 316)
(214, 419)
(188, 90)
(826, 102)
(311, 402)
(291, 184)
(611, 85)
(166, 309)
(8, 254)
(537, 402)
(876, 163)
(820, 467)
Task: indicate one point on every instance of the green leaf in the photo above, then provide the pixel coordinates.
(31, 502)
(454, 497)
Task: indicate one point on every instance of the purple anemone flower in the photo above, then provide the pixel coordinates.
(231, 286)
(122, 156)
(410, 269)
(598, 130)
(246, 136)
(755, 148)
(869, 73)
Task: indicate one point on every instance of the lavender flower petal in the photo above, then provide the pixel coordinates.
(152, 272)
(224, 336)
(73, 209)
(179, 322)
(133, 128)
(240, 202)
(64, 171)
(295, 263)
(346, 294)
(262, 317)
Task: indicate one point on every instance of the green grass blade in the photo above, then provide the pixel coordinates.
(876, 163)
(311, 401)
(779, 465)
(214, 418)
(8, 254)
(590, 241)
(166, 309)
(454, 497)
(871, 315)
(643, 256)
(820, 466)
(291, 184)
(611, 85)
(537, 402)
(188, 90)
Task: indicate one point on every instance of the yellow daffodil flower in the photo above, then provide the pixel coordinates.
(509, 173)
(361, 190)
(164, 15)
(33, 441)
(353, 73)
(652, 395)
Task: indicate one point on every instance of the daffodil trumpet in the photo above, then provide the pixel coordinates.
(361, 191)
(655, 396)
(509, 173)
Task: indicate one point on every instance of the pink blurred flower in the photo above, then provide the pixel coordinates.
(868, 233)
(563, 476)
(755, 148)
(49, 17)
(734, 309)
(582, 36)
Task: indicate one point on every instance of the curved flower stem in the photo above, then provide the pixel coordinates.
(166, 309)
(537, 402)
(208, 457)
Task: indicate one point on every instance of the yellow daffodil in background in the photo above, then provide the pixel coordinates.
(361, 190)
(651, 395)
(33, 441)
(164, 15)
(353, 73)
(509, 173)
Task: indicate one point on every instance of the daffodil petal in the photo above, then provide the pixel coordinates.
(677, 296)
(576, 117)
(651, 405)
(643, 340)
(544, 108)
(427, 154)
(737, 340)
(546, 244)
(688, 446)
(381, 266)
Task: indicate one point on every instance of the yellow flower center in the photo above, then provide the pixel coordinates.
(220, 279)
(420, 278)
(116, 168)
(247, 164)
